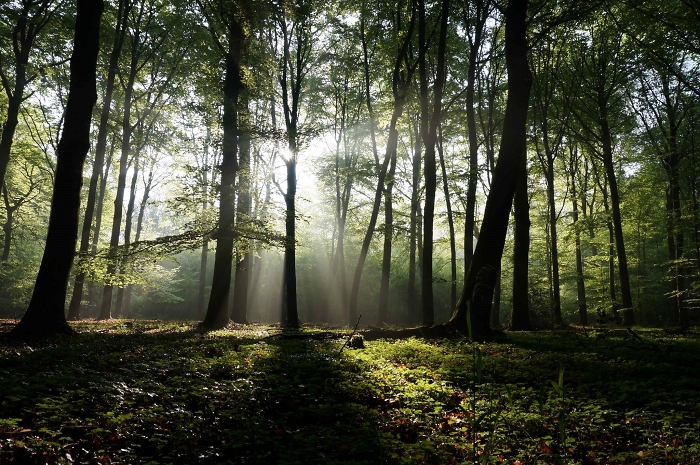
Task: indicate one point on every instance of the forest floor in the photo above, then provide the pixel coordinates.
(155, 392)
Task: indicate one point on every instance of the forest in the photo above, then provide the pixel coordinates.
(287, 162)
(352, 231)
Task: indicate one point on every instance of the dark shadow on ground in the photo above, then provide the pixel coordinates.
(183, 397)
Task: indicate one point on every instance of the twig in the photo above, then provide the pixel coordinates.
(351, 335)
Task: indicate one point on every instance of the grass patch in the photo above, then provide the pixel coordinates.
(153, 392)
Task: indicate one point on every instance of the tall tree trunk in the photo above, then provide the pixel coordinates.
(123, 8)
(122, 308)
(205, 242)
(400, 82)
(479, 285)
(580, 283)
(239, 313)
(99, 207)
(450, 224)
(625, 290)
(414, 226)
(127, 130)
(474, 47)
(217, 315)
(7, 226)
(611, 252)
(137, 236)
(46, 312)
(429, 124)
(520, 312)
(383, 310)
(554, 250)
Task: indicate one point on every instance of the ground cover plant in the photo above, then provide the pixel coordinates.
(154, 392)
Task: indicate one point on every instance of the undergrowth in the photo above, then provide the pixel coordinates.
(153, 392)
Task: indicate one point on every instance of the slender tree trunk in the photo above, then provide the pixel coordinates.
(611, 252)
(554, 250)
(98, 220)
(122, 308)
(429, 124)
(46, 312)
(399, 90)
(520, 313)
(239, 314)
(450, 224)
(383, 310)
(123, 8)
(127, 130)
(477, 294)
(290, 271)
(205, 242)
(625, 290)
(137, 236)
(355, 290)
(414, 227)
(470, 221)
(580, 283)
(7, 226)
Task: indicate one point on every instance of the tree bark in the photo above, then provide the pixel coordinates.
(123, 8)
(239, 313)
(400, 82)
(479, 285)
(625, 290)
(383, 310)
(7, 226)
(217, 315)
(520, 310)
(580, 283)
(429, 124)
(450, 225)
(482, 13)
(414, 226)
(127, 130)
(46, 312)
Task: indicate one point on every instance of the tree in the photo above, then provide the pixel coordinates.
(31, 19)
(296, 27)
(430, 120)
(661, 104)
(551, 115)
(46, 312)
(479, 284)
(402, 77)
(230, 19)
(598, 111)
(123, 10)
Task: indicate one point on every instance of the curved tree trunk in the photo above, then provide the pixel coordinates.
(477, 293)
(46, 312)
